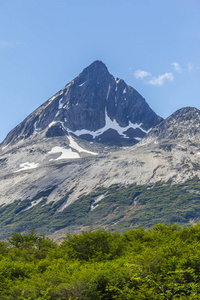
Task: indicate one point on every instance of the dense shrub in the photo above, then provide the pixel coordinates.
(161, 263)
(97, 245)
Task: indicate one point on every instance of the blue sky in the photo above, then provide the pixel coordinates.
(153, 45)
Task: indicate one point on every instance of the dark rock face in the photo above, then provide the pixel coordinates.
(95, 106)
(55, 130)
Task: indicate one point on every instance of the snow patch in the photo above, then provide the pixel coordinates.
(52, 98)
(116, 85)
(52, 123)
(60, 105)
(63, 126)
(4, 147)
(65, 153)
(76, 147)
(109, 124)
(108, 92)
(27, 166)
(82, 84)
(124, 91)
(96, 200)
(35, 127)
(33, 203)
(55, 122)
(57, 114)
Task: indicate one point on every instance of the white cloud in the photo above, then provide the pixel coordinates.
(161, 79)
(139, 74)
(177, 67)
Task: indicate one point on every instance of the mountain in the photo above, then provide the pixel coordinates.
(94, 106)
(184, 124)
(60, 182)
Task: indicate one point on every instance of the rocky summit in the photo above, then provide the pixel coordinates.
(184, 124)
(94, 106)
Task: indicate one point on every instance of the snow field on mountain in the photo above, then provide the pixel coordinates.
(109, 124)
(69, 153)
(75, 146)
(65, 153)
(27, 166)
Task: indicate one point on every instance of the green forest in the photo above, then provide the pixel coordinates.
(159, 263)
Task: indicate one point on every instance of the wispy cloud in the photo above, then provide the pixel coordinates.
(148, 78)
(177, 67)
(139, 74)
(160, 80)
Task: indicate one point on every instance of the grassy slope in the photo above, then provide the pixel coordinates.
(120, 209)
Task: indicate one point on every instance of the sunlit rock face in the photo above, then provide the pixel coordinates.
(184, 124)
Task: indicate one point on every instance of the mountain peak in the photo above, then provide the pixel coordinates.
(185, 113)
(95, 70)
(94, 106)
(182, 124)
(97, 64)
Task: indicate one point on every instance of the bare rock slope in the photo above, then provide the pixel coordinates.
(171, 151)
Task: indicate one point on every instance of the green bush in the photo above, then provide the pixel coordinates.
(159, 263)
(98, 245)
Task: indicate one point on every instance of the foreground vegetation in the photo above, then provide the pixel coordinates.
(121, 208)
(161, 263)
